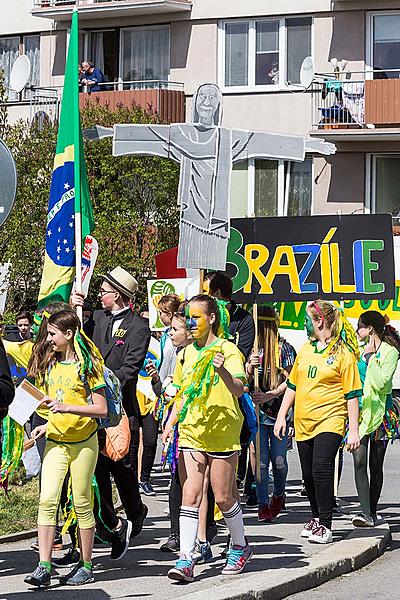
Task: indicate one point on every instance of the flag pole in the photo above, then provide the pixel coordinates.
(74, 41)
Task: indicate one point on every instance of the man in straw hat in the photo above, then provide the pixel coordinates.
(122, 337)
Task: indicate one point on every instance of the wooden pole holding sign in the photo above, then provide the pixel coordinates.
(256, 389)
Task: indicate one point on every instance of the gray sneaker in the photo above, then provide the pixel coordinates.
(78, 576)
(39, 578)
(363, 521)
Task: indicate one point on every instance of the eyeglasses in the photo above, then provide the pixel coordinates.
(104, 292)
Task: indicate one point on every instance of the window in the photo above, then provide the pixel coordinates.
(385, 45)
(9, 52)
(145, 54)
(300, 189)
(264, 52)
(31, 47)
(259, 188)
(386, 185)
(10, 49)
(101, 47)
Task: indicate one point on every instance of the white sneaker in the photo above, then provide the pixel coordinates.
(321, 535)
(309, 527)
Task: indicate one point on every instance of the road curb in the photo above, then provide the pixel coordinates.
(17, 537)
(354, 552)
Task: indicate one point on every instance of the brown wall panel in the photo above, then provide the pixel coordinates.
(382, 101)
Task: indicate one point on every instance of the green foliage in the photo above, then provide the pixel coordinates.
(134, 201)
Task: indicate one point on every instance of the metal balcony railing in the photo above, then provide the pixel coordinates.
(82, 3)
(353, 100)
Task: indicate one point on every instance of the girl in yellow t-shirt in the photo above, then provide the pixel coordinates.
(324, 386)
(209, 375)
(71, 442)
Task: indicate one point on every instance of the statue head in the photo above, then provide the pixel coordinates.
(207, 105)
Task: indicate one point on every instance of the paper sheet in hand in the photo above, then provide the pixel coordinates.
(27, 399)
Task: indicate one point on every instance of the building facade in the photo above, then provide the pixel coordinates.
(158, 52)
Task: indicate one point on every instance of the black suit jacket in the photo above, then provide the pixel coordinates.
(6, 384)
(125, 354)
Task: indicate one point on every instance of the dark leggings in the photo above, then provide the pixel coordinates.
(317, 459)
(150, 433)
(175, 502)
(369, 491)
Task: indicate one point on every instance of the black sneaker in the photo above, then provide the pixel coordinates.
(147, 488)
(172, 544)
(78, 576)
(252, 500)
(120, 543)
(211, 532)
(137, 524)
(70, 558)
(40, 577)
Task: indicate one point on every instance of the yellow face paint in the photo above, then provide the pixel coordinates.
(206, 287)
(198, 322)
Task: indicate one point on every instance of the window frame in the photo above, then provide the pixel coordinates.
(141, 28)
(251, 87)
(19, 96)
(370, 178)
(369, 38)
(283, 189)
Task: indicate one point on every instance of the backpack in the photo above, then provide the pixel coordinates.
(114, 399)
(249, 427)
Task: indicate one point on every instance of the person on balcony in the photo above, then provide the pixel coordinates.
(91, 77)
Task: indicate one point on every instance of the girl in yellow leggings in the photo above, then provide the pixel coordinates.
(71, 442)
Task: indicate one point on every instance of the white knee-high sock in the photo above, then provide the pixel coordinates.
(234, 522)
(188, 525)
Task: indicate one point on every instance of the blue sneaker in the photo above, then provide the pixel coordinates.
(183, 570)
(202, 553)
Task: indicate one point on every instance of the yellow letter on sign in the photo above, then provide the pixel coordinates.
(255, 265)
(289, 269)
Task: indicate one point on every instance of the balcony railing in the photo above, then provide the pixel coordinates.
(164, 98)
(359, 99)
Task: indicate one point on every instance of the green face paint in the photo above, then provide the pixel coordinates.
(309, 325)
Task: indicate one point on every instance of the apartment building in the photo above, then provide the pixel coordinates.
(158, 51)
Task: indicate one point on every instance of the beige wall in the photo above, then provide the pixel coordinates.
(52, 58)
(224, 9)
(16, 18)
(340, 36)
(339, 183)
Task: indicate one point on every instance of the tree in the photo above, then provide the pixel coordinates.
(134, 201)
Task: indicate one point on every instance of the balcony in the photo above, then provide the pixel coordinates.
(356, 104)
(60, 10)
(164, 98)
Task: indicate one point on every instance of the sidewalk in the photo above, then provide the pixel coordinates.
(280, 555)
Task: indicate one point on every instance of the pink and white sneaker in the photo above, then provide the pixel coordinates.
(309, 527)
(321, 535)
(237, 557)
(183, 570)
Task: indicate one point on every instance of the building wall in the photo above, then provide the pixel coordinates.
(16, 18)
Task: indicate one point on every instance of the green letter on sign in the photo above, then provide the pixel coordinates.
(370, 265)
(233, 257)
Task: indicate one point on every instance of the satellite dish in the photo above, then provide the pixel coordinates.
(307, 72)
(8, 182)
(20, 73)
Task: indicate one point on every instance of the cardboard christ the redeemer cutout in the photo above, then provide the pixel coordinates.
(206, 152)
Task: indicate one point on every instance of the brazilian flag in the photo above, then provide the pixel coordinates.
(69, 208)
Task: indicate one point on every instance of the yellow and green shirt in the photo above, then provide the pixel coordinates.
(65, 385)
(323, 384)
(215, 427)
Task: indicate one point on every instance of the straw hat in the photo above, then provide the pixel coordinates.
(122, 281)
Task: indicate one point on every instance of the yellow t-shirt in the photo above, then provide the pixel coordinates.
(323, 384)
(64, 385)
(145, 403)
(19, 354)
(215, 428)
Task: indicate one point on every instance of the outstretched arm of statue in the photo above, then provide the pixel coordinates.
(97, 132)
(150, 140)
(320, 146)
(258, 144)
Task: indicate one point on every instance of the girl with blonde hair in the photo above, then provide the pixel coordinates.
(324, 386)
